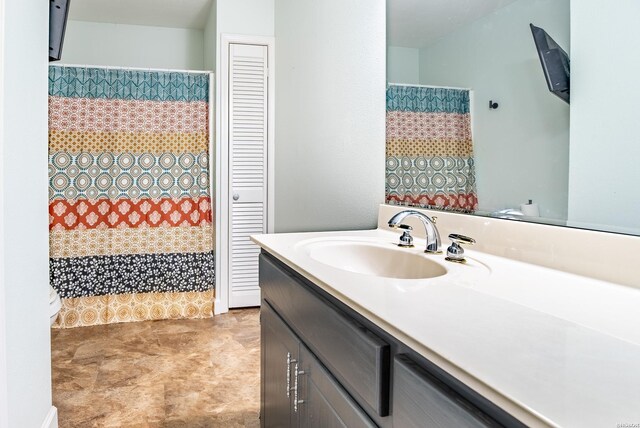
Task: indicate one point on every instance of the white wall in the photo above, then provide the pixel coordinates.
(605, 144)
(96, 43)
(254, 17)
(522, 148)
(330, 113)
(25, 361)
(403, 65)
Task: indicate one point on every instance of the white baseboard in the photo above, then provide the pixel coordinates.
(51, 421)
(219, 307)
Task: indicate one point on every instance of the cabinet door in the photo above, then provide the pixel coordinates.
(420, 401)
(279, 349)
(324, 403)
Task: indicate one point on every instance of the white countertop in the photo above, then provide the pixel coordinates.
(551, 348)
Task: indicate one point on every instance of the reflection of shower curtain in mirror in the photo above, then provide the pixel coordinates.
(429, 156)
(130, 219)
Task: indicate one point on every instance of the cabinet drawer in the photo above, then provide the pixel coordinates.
(354, 355)
(420, 400)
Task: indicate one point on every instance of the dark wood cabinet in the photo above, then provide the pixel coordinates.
(297, 391)
(280, 349)
(420, 400)
(325, 403)
(324, 365)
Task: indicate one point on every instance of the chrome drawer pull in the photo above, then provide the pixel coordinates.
(289, 362)
(297, 373)
(288, 374)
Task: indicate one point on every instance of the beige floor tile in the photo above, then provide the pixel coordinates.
(157, 374)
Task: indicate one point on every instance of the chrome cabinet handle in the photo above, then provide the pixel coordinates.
(296, 401)
(288, 374)
(289, 362)
(236, 196)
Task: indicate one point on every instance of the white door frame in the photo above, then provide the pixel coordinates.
(222, 158)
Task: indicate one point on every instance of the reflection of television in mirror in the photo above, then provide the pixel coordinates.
(555, 63)
(58, 12)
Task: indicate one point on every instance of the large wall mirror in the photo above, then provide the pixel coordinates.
(471, 122)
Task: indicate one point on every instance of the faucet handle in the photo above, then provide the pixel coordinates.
(455, 253)
(404, 226)
(406, 240)
(461, 239)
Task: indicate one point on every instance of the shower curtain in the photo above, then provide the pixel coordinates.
(429, 150)
(130, 217)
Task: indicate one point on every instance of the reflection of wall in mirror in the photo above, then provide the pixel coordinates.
(522, 148)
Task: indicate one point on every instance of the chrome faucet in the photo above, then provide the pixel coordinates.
(433, 236)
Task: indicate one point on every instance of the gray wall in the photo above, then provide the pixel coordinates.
(403, 65)
(96, 43)
(330, 113)
(605, 143)
(25, 356)
(210, 38)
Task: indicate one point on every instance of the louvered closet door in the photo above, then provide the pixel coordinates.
(247, 168)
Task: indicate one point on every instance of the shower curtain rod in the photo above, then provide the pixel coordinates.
(108, 67)
(429, 86)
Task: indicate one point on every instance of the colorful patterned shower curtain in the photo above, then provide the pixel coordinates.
(130, 218)
(429, 156)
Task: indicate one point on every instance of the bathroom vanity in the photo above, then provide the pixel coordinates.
(325, 365)
(347, 340)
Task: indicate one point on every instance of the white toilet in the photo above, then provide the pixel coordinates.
(54, 305)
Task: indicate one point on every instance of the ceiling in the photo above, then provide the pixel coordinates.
(411, 23)
(418, 23)
(159, 13)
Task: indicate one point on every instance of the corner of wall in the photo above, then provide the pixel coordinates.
(25, 361)
(210, 39)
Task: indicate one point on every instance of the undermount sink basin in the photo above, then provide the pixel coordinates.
(377, 260)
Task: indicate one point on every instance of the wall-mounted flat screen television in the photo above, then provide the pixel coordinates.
(555, 63)
(58, 12)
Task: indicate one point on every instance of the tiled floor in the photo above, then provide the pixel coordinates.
(184, 373)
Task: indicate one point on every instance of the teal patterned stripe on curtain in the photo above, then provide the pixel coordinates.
(127, 84)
